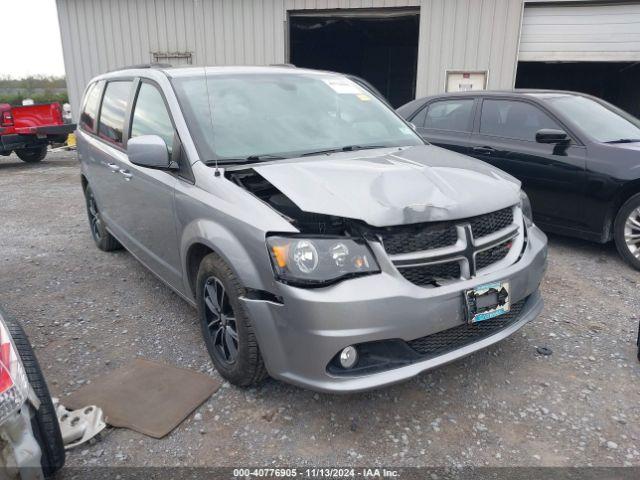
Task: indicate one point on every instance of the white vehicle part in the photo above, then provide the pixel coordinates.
(79, 426)
(19, 450)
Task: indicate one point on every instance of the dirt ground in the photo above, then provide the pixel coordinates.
(88, 312)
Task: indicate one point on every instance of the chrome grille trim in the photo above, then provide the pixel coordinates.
(465, 250)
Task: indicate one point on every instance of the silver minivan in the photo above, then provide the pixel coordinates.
(322, 241)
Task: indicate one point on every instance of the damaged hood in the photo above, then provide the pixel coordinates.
(394, 186)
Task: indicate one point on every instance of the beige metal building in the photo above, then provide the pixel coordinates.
(406, 48)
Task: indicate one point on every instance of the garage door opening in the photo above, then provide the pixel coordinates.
(380, 46)
(615, 82)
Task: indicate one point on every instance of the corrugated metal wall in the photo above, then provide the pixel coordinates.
(100, 35)
(581, 33)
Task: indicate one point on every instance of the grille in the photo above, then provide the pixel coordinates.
(462, 335)
(419, 237)
(427, 274)
(492, 255)
(489, 223)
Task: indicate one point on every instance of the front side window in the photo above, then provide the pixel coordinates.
(235, 116)
(150, 116)
(113, 111)
(90, 109)
(454, 115)
(510, 119)
(598, 121)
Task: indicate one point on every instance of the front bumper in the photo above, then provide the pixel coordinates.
(299, 337)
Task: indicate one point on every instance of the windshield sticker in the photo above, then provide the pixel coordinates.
(343, 86)
(363, 97)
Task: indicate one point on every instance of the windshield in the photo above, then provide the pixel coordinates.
(236, 116)
(597, 121)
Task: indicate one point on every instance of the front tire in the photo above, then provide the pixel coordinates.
(101, 236)
(32, 154)
(627, 231)
(226, 328)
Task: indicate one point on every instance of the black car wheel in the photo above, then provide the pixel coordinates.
(226, 328)
(627, 231)
(32, 154)
(101, 236)
(44, 421)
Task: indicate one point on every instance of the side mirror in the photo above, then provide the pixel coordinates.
(148, 151)
(551, 135)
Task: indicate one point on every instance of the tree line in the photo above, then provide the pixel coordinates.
(40, 88)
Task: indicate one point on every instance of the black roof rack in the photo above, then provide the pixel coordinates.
(142, 65)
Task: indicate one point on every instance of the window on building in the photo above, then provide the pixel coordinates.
(454, 115)
(511, 119)
(90, 109)
(150, 116)
(113, 111)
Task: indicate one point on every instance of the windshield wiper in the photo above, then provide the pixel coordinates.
(624, 140)
(347, 148)
(250, 158)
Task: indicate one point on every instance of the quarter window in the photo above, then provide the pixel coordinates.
(454, 115)
(518, 120)
(91, 105)
(150, 116)
(113, 111)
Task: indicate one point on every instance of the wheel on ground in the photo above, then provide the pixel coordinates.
(44, 422)
(226, 328)
(101, 236)
(627, 231)
(32, 154)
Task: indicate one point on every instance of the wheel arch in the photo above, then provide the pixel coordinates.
(627, 191)
(204, 237)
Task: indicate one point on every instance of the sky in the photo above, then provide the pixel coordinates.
(35, 46)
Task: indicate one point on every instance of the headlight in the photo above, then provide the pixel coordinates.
(319, 261)
(525, 206)
(14, 385)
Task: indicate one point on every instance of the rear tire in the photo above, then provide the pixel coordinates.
(32, 154)
(101, 236)
(627, 231)
(44, 422)
(245, 367)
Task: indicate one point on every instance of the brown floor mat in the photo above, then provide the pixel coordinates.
(145, 396)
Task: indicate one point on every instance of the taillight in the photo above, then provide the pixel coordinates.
(14, 384)
(6, 381)
(57, 112)
(6, 120)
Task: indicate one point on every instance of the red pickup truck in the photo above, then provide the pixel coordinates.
(27, 130)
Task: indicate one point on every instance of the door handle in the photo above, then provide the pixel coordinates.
(114, 168)
(126, 174)
(484, 150)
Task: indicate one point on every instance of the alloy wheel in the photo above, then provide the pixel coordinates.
(632, 233)
(94, 216)
(221, 321)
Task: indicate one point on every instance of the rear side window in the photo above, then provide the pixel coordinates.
(511, 119)
(150, 116)
(113, 111)
(454, 115)
(90, 109)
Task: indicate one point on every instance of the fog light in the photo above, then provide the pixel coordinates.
(348, 357)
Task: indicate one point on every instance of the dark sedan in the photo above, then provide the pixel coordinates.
(577, 156)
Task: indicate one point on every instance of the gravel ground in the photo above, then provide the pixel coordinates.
(88, 312)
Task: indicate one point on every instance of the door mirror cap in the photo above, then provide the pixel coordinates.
(551, 135)
(148, 151)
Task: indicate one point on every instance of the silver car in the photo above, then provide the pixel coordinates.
(323, 242)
